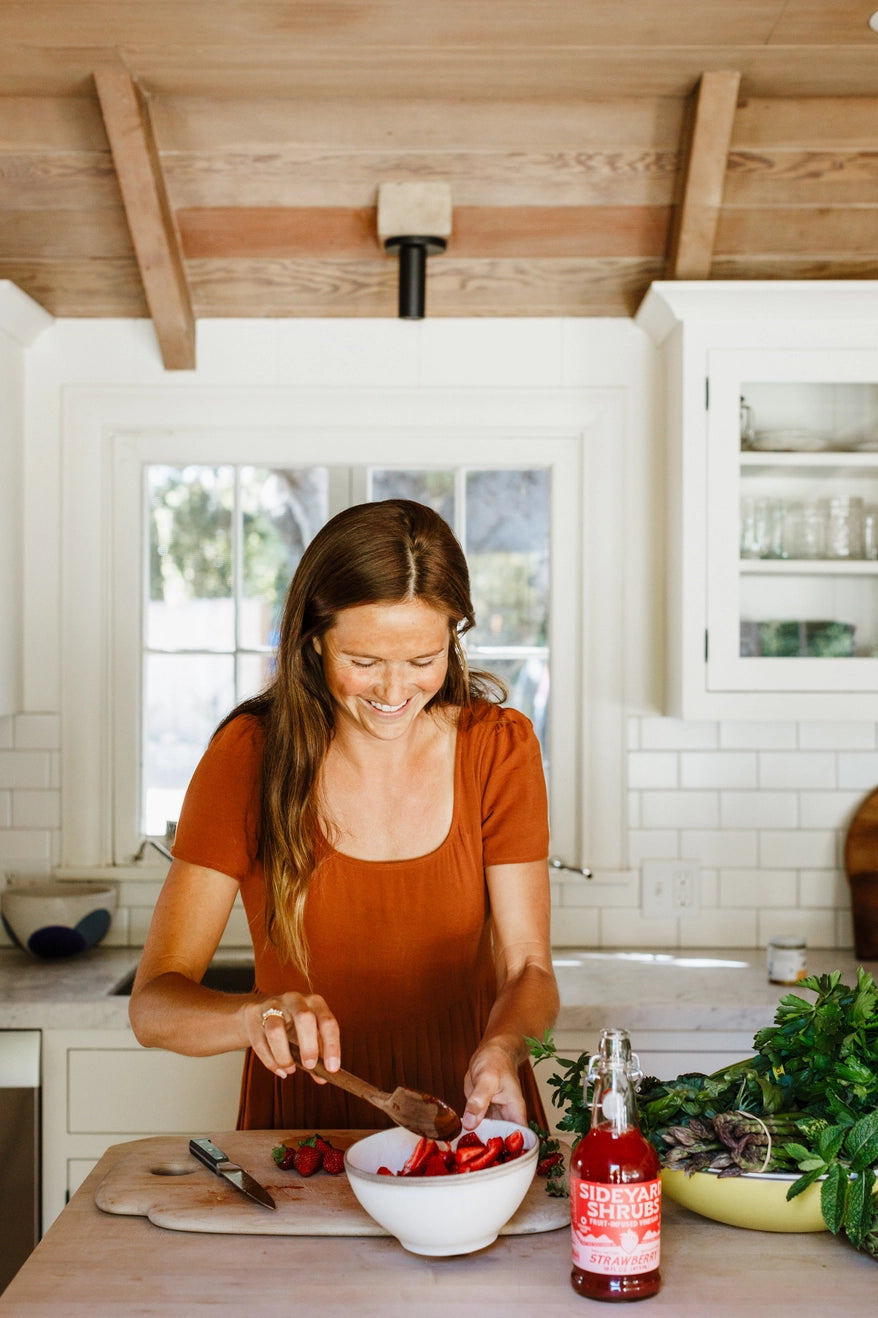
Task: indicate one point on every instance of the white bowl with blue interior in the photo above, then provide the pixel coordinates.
(59, 918)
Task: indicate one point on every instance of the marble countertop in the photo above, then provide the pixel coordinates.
(703, 989)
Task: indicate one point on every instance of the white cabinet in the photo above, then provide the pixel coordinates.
(21, 320)
(101, 1088)
(772, 441)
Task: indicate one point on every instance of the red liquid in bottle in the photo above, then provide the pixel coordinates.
(614, 1165)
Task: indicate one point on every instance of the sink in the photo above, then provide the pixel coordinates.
(226, 976)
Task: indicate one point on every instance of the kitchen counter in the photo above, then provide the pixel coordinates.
(91, 1263)
(703, 989)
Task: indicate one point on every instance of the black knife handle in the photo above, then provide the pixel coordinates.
(209, 1154)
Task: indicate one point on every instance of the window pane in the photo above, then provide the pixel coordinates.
(280, 512)
(187, 696)
(433, 488)
(527, 681)
(507, 548)
(190, 558)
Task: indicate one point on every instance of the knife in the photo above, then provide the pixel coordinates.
(217, 1161)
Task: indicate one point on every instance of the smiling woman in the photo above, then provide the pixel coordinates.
(386, 823)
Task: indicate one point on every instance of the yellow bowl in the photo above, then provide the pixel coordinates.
(755, 1200)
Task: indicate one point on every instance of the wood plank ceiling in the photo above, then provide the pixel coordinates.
(199, 158)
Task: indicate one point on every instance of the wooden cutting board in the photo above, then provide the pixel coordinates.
(861, 842)
(158, 1178)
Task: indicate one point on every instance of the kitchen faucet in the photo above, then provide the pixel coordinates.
(151, 842)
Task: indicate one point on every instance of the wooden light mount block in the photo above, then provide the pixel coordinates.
(414, 220)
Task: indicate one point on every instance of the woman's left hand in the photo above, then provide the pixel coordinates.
(492, 1088)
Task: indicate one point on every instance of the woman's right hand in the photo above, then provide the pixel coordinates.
(306, 1019)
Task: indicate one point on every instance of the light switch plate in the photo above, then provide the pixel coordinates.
(670, 888)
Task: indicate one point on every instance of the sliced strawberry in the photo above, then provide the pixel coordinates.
(435, 1165)
(471, 1153)
(487, 1158)
(418, 1156)
(384, 1171)
(470, 1141)
(513, 1144)
(545, 1165)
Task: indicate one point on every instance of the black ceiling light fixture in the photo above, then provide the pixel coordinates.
(414, 221)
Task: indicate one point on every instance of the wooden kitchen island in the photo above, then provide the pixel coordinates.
(93, 1264)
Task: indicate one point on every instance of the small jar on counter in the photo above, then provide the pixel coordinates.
(786, 960)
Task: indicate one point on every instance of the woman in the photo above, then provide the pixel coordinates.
(385, 822)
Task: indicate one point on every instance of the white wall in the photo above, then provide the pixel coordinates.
(763, 808)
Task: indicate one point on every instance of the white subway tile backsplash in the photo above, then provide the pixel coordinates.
(756, 888)
(36, 809)
(5, 809)
(816, 927)
(680, 809)
(674, 734)
(757, 736)
(630, 929)
(653, 769)
(807, 848)
(759, 809)
(6, 727)
(858, 770)
(652, 844)
(828, 809)
(25, 768)
(722, 848)
(823, 888)
(814, 770)
(37, 732)
(718, 769)
(837, 736)
(20, 846)
(633, 803)
(721, 928)
(575, 927)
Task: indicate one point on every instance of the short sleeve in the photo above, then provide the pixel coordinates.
(515, 816)
(219, 821)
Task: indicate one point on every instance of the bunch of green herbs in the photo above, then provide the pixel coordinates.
(813, 1079)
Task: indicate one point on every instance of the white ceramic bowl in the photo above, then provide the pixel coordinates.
(57, 919)
(435, 1215)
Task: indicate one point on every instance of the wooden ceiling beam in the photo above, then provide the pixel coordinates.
(150, 220)
(702, 173)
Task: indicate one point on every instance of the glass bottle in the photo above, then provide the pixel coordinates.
(615, 1185)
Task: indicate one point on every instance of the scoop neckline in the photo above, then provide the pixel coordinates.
(424, 855)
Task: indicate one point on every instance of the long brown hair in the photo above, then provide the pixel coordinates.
(384, 552)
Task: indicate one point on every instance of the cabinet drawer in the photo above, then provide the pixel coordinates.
(133, 1091)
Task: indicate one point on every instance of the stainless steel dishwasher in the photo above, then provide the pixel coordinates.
(19, 1148)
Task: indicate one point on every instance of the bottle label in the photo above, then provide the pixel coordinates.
(616, 1228)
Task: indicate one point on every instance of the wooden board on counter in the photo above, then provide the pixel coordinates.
(160, 1180)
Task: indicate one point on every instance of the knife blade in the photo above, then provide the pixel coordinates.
(217, 1161)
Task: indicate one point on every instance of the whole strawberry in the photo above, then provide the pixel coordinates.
(307, 1160)
(333, 1160)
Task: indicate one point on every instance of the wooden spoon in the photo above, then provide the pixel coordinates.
(423, 1114)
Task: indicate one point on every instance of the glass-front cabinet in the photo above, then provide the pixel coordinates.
(773, 510)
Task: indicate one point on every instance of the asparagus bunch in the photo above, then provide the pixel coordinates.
(736, 1142)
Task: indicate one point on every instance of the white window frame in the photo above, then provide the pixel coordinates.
(110, 434)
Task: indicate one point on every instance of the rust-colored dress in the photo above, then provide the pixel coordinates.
(400, 950)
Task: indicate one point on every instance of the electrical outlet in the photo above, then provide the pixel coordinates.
(670, 888)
